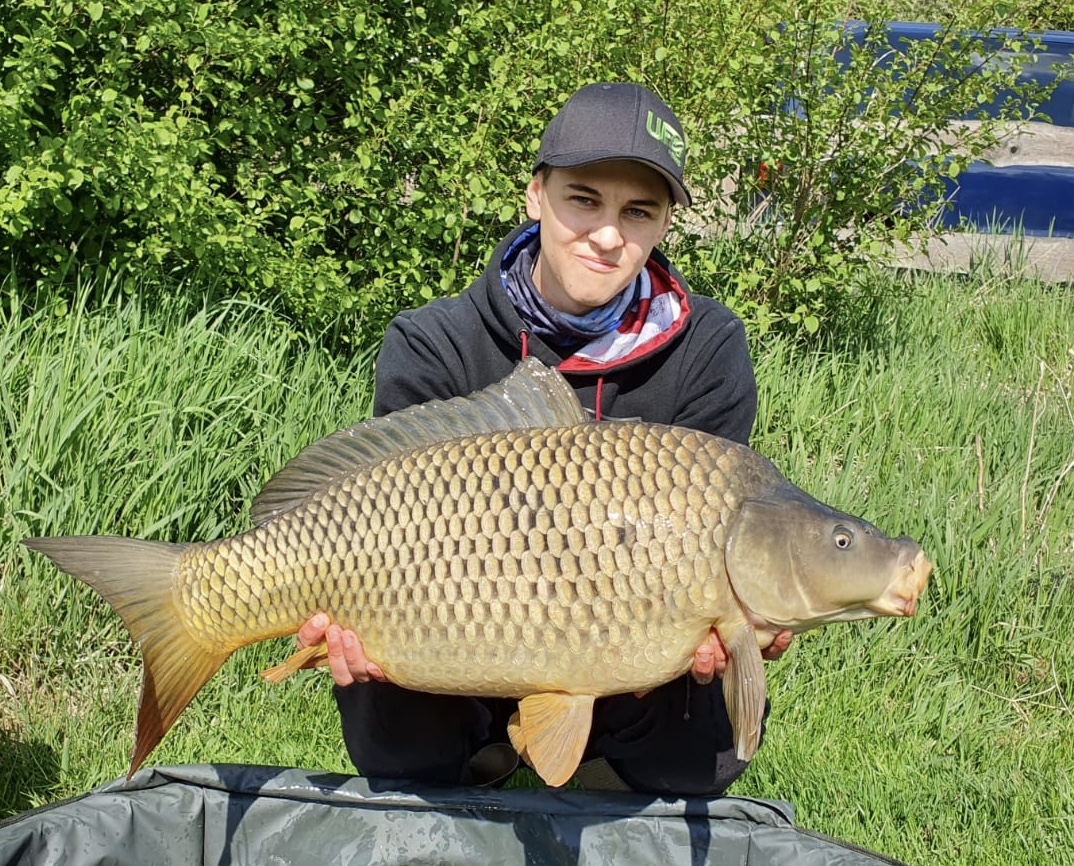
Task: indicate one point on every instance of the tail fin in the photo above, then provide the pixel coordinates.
(137, 578)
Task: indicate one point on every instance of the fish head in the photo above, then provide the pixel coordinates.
(796, 563)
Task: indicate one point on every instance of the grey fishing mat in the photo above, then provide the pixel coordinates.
(226, 815)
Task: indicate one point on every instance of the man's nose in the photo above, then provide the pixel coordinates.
(606, 236)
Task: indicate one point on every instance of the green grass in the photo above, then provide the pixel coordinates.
(946, 739)
(160, 425)
(946, 415)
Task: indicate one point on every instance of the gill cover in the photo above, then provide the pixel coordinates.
(797, 564)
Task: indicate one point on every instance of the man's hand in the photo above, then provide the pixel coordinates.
(710, 659)
(778, 646)
(346, 657)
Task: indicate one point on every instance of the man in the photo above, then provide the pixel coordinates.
(582, 287)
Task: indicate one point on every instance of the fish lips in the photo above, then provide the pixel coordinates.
(901, 596)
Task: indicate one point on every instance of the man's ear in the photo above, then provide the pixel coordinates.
(533, 197)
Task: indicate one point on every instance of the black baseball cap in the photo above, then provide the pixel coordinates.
(617, 121)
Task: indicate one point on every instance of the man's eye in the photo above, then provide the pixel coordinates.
(639, 214)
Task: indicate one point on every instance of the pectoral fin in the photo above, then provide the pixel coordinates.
(550, 732)
(744, 688)
(307, 657)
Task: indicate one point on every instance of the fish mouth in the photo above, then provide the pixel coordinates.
(900, 598)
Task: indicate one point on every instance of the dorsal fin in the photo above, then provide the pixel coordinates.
(533, 395)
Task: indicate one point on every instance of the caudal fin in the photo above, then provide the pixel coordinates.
(137, 579)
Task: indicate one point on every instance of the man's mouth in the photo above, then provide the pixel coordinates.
(599, 265)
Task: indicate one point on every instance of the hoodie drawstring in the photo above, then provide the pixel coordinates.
(525, 338)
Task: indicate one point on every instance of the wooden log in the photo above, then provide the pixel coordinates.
(1048, 259)
(1031, 144)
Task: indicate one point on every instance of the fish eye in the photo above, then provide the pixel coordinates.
(843, 537)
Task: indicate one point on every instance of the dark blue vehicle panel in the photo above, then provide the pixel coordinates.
(1032, 199)
(1056, 50)
(1035, 200)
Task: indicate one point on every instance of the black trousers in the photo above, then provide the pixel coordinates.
(675, 740)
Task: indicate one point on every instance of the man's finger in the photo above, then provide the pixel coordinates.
(312, 630)
(361, 668)
(704, 667)
(354, 656)
(710, 659)
(337, 660)
(779, 645)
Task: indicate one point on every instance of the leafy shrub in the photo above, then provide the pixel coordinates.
(844, 150)
(354, 159)
(300, 148)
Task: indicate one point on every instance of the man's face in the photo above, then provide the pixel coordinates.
(599, 223)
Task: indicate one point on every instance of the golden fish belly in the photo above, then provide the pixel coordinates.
(584, 559)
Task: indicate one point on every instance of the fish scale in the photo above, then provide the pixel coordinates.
(500, 545)
(531, 564)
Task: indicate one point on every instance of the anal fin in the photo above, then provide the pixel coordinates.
(307, 657)
(744, 688)
(550, 731)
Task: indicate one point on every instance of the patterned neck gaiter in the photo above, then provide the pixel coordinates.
(549, 324)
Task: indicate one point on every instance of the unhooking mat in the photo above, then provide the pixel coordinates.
(230, 815)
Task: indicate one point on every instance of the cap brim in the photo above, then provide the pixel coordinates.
(679, 193)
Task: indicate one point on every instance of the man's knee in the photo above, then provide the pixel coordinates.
(676, 740)
(393, 733)
(655, 772)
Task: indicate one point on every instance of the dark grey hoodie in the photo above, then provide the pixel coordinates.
(695, 373)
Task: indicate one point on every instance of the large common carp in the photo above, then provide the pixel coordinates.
(500, 545)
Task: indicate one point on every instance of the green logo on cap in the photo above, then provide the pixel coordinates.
(667, 135)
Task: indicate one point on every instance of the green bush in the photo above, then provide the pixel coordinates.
(353, 159)
(852, 143)
(1029, 14)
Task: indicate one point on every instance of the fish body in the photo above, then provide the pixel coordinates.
(498, 564)
(499, 545)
